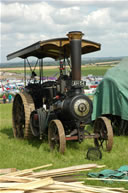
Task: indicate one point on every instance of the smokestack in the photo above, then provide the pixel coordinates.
(75, 45)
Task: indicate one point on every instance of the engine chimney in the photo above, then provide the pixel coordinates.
(75, 46)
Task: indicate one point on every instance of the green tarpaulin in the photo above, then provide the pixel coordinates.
(121, 173)
(111, 96)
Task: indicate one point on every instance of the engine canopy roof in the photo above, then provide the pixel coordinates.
(54, 48)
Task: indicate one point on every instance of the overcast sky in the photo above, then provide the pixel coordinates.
(24, 22)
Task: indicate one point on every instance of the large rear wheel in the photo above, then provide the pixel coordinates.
(56, 136)
(23, 105)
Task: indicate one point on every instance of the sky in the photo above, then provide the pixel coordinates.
(24, 22)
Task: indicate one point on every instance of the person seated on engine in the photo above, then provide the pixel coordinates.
(33, 74)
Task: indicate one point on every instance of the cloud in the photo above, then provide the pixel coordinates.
(67, 15)
(26, 14)
(26, 22)
(98, 22)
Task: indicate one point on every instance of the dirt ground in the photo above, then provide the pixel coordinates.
(22, 68)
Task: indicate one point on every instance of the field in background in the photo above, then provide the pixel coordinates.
(53, 70)
(21, 154)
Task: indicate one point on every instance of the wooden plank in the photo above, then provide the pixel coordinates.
(7, 170)
(59, 187)
(32, 185)
(98, 188)
(68, 187)
(16, 179)
(61, 171)
(11, 191)
(108, 179)
(75, 187)
(101, 166)
(28, 171)
(53, 175)
(48, 191)
(109, 188)
(7, 185)
(69, 178)
(40, 167)
(106, 188)
(117, 189)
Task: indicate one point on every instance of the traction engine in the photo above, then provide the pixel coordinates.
(58, 109)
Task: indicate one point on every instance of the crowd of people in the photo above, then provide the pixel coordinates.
(8, 97)
(5, 98)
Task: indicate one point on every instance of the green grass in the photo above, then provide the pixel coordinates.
(23, 154)
(95, 70)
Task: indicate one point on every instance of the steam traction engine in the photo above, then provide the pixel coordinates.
(58, 109)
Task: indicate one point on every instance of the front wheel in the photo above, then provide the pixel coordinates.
(56, 136)
(102, 126)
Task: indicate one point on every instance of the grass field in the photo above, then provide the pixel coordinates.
(97, 71)
(23, 154)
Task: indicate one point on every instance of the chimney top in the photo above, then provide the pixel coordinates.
(77, 35)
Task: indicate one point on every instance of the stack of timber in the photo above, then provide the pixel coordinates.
(49, 181)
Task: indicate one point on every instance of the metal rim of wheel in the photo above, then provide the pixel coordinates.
(102, 126)
(56, 136)
(23, 105)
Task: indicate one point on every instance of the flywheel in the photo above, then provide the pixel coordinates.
(23, 105)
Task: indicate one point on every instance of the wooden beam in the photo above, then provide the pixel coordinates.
(32, 185)
(16, 179)
(7, 170)
(28, 171)
(7, 185)
(107, 179)
(62, 171)
(49, 191)
(11, 191)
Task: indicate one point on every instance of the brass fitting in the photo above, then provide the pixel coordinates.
(75, 35)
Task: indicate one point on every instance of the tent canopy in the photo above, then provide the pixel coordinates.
(111, 96)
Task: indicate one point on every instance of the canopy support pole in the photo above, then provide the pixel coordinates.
(25, 72)
(41, 69)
